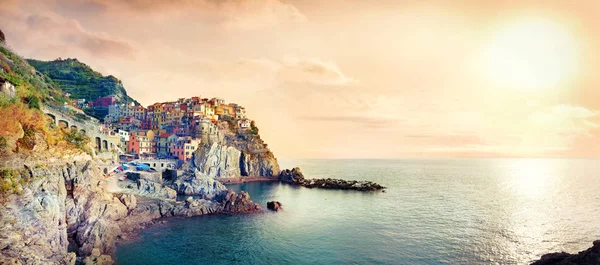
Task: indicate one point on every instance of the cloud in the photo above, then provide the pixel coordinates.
(450, 140)
(566, 120)
(316, 71)
(252, 14)
(359, 120)
(69, 32)
(230, 14)
(277, 72)
(47, 32)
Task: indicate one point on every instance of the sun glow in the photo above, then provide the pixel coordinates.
(531, 55)
(531, 177)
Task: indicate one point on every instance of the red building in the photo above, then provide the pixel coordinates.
(133, 145)
(105, 101)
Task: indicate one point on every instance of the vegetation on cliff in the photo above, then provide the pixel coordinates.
(11, 182)
(22, 125)
(33, 86)
(80, 80)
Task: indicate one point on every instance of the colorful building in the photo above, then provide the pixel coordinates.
(165, 141)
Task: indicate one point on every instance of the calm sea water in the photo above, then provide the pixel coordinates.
(465, 211)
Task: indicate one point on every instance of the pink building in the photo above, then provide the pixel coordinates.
(105, 101)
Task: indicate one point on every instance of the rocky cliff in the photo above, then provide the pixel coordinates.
(63, 212)
(590, 256)
(233, 152)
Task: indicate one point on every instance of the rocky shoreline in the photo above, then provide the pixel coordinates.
(295, 176)
(91, 219)
(591, 256)
(240, 180)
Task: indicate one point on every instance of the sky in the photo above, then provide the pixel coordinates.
(349, 78)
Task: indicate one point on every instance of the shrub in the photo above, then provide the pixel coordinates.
(13, 115)
(3, 144)
(5, 100)
(253, 128)
(33, 102)
(11, 182)
(77, 138)
(28, 139)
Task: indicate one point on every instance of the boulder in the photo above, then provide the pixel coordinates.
(274, 206)
(197, 184)
(236, 203)
(153, 189)
(128, 200)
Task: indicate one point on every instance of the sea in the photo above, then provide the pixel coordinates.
(444, 211)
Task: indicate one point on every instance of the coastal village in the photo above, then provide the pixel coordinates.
(165, 130)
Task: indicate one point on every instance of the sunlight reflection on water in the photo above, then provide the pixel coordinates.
(466, 211)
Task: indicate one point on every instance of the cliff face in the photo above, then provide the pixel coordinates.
(62, 207)
(218, 160)
(232, 152)
(64, 212)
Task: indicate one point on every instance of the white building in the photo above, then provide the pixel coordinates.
(244, 123)
(80, 102)
(124, 135)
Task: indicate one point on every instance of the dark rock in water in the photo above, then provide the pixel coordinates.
(295, 176)
(589, 256)
(274, 206)
(2, 37)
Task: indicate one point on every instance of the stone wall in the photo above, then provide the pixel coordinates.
(101, 141)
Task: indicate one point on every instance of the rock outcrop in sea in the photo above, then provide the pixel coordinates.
(591, 256)
(295, 176)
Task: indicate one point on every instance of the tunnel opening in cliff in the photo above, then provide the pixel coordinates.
(243, 169)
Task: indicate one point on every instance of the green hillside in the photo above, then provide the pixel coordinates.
(80, 80)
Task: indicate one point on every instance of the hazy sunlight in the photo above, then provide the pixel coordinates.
(530, 55)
